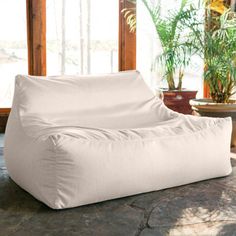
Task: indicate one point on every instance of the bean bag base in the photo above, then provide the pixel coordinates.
(128, 146)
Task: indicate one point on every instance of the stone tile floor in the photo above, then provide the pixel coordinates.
(204, 208)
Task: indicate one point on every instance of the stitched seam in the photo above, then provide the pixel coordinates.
(55, 151)
(137, 140)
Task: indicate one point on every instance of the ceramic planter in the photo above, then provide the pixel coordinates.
(206, 107)
(179, 100)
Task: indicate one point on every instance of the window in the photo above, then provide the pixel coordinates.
(82, 36)
(148, 47)
(13, 47)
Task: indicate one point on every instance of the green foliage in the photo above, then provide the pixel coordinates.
(217, 45)
(215, 41)
(130, 17)
(174, 36)
(183, 33)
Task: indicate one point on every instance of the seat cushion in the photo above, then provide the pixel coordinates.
(88, 165)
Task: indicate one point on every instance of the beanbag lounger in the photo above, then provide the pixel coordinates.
(75, 140)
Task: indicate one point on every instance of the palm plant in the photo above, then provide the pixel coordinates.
(215, 41)
(220, 55)
(176, 45)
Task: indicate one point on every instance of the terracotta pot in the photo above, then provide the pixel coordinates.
(179, 100)
(206, 107)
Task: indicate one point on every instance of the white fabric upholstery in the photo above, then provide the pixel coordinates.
(75, 140)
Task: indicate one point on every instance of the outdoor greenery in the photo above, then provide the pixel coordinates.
(213, 39)
(175, 39)
(216, 44)
(174, 36)
(219, 49)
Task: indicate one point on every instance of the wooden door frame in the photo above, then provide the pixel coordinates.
(36, 40)
(5, 110)
(36, 36)
(127, 40)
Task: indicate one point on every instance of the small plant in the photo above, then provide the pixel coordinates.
(174, 37)
(213, 39)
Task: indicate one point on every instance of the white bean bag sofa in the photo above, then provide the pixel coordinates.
(72, 140)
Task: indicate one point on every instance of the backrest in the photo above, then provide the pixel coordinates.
(118, 100)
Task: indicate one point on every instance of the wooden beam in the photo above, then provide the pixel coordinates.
(206, 91)
(127, 40)
(5, 110)
(4, 114)
(36, 36)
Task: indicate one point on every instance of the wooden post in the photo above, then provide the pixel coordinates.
(127, 40)
(36, 36)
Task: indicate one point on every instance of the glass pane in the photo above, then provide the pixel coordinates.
(82, 36)
(149, 46)
(13, 47)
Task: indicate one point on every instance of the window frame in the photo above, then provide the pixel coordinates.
(36, 40)
(127, 39)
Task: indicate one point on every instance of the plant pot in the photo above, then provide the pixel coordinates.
(179, 100)
(206, 107)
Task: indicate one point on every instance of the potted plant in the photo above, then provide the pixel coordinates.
(218, 46)
(177, 46)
